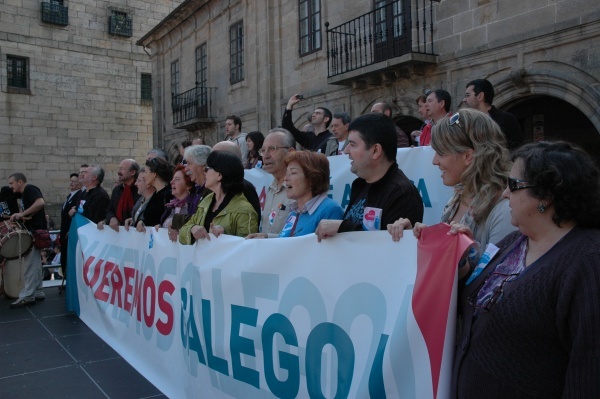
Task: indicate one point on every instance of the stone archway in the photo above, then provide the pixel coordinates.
(553, 101)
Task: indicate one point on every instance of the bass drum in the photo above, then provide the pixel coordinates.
(13, 278)
(15, 240)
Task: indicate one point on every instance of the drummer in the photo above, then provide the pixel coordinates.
(34, 216)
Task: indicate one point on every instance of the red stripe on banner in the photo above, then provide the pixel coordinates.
(438, 254)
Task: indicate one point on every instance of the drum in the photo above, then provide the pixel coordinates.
(13, 278)
(15, 240)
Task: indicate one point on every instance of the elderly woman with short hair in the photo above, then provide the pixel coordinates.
(307, 183)
(195, 157)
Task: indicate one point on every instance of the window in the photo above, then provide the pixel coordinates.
(146, 92)
(17, 69)
(310, 26)
(120, 23)
(55, 12)
(201, 66)
(236, 52)
(174, 81)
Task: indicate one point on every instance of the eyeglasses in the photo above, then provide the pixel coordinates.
(270, 149)
(492, 298)
(427, 92)
(454, 120)
(207, 168)
(514, 184)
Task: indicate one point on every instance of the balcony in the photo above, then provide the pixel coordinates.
(379, 45)
(192, 110)
(55, 13)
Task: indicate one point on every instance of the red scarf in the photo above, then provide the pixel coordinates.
(125, 204)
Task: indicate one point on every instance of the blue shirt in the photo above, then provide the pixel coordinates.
(304, 221)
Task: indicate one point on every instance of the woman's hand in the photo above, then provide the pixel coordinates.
(171, 232)
(141, 227)
(100, 225)
(217, 230)
(456, 228)
(418, 228)
(127, 223)
(327, 228)
(397, 228)
(257, 235)
(199, 232)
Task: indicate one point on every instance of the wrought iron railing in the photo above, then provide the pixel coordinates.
(55, 13)
(192, 104)
(384, 33)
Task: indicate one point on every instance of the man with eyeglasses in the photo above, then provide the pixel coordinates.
(317, 140)
(278, 143)
(479, 95)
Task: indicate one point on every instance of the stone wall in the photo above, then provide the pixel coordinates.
(85, 104)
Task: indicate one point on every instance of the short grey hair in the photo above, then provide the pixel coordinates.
(159, 152)
(288, 140)
(197, 153)
(343, 116)
(97, 171)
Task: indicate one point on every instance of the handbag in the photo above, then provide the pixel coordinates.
(41, 239)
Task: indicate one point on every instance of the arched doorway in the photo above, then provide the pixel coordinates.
(548, 118)
(408, 124)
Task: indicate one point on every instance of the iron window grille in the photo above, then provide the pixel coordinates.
(120, 23)
(174, 81)
(17, 72)
(309, 25)
(236, 52)
(146, 87)
(55, 12)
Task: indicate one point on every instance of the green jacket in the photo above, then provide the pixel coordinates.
(238, 218)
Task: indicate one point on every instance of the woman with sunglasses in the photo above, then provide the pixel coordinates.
(531, 318)
(226, 210)
(470, 150)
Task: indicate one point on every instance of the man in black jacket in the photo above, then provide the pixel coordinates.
(382, 193)
(124, 195)
(94, 203)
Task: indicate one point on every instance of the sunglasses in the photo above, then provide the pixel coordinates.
(454, 120)
(514, 184)
(207, 168)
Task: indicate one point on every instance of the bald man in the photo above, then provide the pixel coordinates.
(124, 195)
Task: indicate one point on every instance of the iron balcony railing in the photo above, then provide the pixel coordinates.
(384, 33)
(193, 104)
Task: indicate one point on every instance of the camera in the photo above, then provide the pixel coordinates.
(299, 96)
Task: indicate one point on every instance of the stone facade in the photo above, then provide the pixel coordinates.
(527, 49)
(83, 104)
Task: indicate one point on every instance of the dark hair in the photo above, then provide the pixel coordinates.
(236, 120)
(136, 168)
(375, 128)
(315, 167)
(85, 165)
(566, 175)
(257, 138)
(230, 167)
(442, 94)
(483, 85)
(19, 177)
(345, 118)
(188, 180)
(161, 167)
(73, 175)
(327, 115)
(386, 107)
(186, 143)
(422, 98)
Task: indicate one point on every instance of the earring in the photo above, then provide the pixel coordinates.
(541, 208)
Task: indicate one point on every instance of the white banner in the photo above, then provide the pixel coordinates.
(289, 317)
(414, 162)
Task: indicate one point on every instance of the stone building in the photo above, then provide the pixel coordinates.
(74, 88)
(247, 57)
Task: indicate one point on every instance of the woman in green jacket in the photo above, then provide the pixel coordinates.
(225, 210)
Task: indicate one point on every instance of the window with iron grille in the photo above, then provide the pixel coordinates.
(146, 92)
(120, 23)
(17, 69)
(310, 26)
(55, 12)
(236, 52)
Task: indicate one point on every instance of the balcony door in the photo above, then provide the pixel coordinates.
(392, 31)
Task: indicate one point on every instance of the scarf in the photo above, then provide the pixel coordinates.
(125, 204)
(176, 203)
